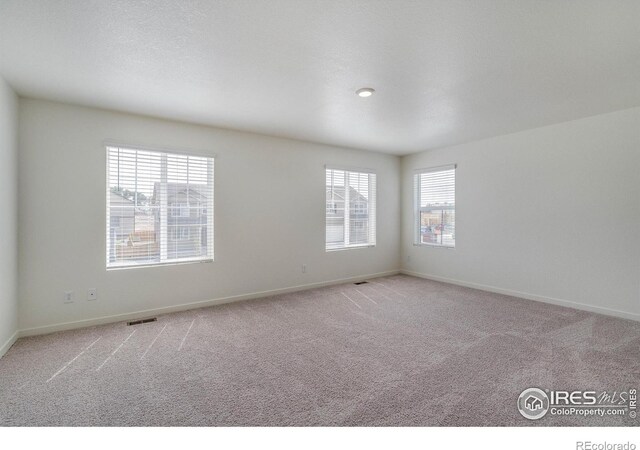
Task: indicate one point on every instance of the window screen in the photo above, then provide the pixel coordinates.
(350, 208)
(159, 207)
(435, 206)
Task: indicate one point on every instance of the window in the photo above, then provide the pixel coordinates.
(350, 208)
(159, 208)
(360, 208)
(435, 206)
(180, 233)
(180, 210)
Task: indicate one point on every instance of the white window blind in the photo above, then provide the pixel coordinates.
(435, 206)
(350, 208)
(159, 207)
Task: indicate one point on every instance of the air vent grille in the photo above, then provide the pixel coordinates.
(140, 321)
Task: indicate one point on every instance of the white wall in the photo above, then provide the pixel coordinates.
(269, 215)
(8, 216)
(551, 214)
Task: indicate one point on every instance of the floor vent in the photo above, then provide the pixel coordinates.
(361, 282)
(138, 322)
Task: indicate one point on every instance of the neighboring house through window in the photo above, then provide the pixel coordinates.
(350, 208)
(159, 207)
(435, 206)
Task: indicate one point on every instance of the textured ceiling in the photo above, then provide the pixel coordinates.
(445, 72)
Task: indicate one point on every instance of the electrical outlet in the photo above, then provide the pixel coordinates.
(408, 258)
(304, 268)
(68, 297)
(92, 294)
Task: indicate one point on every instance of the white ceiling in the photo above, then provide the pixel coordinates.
(445, 71)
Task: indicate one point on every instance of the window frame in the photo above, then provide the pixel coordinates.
(210, 257)
(417, 209)
(372, 217)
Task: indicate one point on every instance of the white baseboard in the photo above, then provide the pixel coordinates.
(528, 296)
(187, 306)
(7, 345)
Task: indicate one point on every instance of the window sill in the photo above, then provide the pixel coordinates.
(449, 247)
(161, 264)
(354, 247)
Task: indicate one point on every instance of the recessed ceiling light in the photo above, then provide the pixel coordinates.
(365, 92)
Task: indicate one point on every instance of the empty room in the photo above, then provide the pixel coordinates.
(320, 213)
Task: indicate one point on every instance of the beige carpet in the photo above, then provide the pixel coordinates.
(397, 351)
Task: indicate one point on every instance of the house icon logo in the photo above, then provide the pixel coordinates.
(533, 403)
